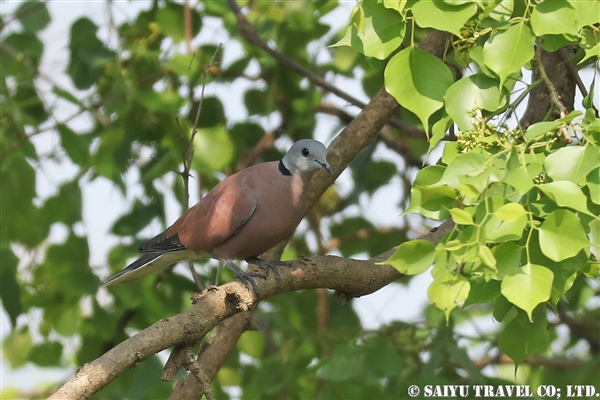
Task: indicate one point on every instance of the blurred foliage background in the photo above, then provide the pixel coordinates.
(124, 119)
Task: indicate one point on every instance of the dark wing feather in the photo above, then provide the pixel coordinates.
(139, 263)
(162, 244)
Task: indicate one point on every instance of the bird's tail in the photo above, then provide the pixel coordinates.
(145, 265)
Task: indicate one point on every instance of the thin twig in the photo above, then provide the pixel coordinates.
(573, 72)
(21, 13)
(192, 366)
(25, 137)
(554, 96)
(187, 164)
(250, 35)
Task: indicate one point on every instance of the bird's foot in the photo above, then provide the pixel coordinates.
(265, 266)
(244, 277)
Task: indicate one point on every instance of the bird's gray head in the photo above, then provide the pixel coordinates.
(306, 155)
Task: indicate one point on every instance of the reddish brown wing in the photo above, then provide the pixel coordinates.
(218, 216)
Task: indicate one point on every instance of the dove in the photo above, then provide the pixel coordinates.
(243, 216)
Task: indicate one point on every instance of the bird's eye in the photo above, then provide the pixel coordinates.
(305, 152)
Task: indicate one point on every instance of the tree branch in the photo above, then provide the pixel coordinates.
(351, 278)
(557, 77)
(250, 35)
(554, 95)
(222, 341)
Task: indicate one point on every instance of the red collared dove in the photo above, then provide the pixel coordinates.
(239, 219)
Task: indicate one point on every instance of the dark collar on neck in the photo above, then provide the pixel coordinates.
(284, 171)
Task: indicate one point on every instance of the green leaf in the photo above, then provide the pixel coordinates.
(18, 50)
(502, 10)
(138, 218)
(343, 366)
(463, 166)
(89, 56)
(510, 212)
(439, 15)
(183, 65)
(497, 229)
(593, 183)
(212, 114)
(588, 103)
(482, 292)
(553, 17)
(17, 347)
(562, 236)
(461, 216)
(425, 177)
(522, 338)
(541, 128)
(507, 51)
(167, 101)
(586, 13)
(448, 294)
(34, 16)
(528, 286)
(66, 272)
(47, 354)
(516, 175)
(77, 146)
(554, 42)
(397, 5)
(252, 343)
(10, 291)
(436, 198)
(375, 31)
(508, 258)
(171, 20)
(572, 163)
(503, 309)
(566, 194)
(468, 190)
(472, 93)
(371, 175)
(67, 96)
(66, 206)
(17, 188)
(411, 258)
(256, 102)
(213, 150)
(418, 81)
(562, 270)
(486, 256)
(438, 131)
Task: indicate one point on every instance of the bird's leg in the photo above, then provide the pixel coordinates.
(266, 265)
(244, 277)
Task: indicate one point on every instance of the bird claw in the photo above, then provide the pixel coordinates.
(266, 266)
(243, 276)
(248, 281)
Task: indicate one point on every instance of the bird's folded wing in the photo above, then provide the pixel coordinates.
(217, 217)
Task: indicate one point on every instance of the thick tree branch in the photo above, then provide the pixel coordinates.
(222, 341)
(556, 78)
(555, 97)
(352, 278)
(385, 135)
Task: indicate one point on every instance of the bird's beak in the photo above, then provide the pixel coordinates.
(325, 165)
